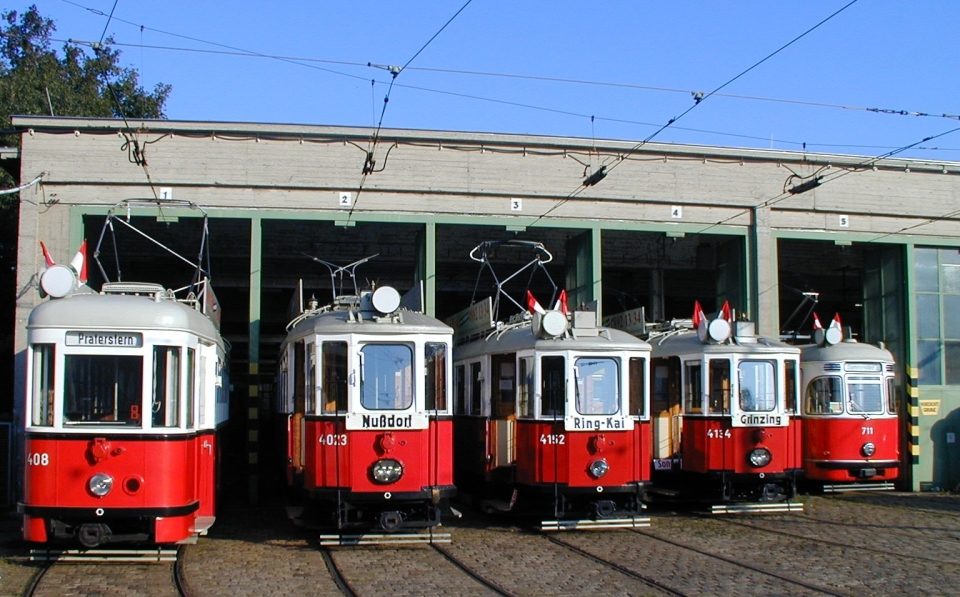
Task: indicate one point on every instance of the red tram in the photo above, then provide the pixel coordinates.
(125, 399)
(851, 431)
(725, 423)
(552, 417)
(363, 385)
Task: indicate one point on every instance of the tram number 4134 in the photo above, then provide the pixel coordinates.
(38, 459)
(718, 433)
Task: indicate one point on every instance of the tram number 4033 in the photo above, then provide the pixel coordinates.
(333, 439)
(38, 459)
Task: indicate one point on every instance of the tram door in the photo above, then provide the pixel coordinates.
(503, 408)
(665, 409)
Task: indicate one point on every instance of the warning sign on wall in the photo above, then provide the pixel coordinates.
(930, 407)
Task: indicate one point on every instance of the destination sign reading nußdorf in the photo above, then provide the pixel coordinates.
(112, 339)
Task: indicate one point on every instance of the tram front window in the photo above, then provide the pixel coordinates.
(824, 396)
(758, 386)
(598, 386)
(866, 397)
(102, 389)
(386, 380)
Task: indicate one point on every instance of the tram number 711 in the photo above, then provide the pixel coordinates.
(866, 431)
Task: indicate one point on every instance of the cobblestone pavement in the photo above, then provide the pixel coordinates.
(848, 545)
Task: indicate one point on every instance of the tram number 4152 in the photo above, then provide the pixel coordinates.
(553, 439)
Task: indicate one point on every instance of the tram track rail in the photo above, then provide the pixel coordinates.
(463, 567)
(37, 578)
(862, 546)
(758, 569)
(647, 580)
(336, 574)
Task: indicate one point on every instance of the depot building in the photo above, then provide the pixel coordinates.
(637, 231)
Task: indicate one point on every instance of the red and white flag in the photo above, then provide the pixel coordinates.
(835, 324)
(725, 311)
(698, 315)
(816, 323)
(533, 305)
(46, 255)
(79, 262)
(561, 302)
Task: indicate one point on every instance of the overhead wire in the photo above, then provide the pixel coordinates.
(605, 169)
(860, 167)
(369, 164)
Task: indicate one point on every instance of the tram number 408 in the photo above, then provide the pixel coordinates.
(38, 459)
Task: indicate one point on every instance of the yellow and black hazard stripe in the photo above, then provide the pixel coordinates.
(913, 396)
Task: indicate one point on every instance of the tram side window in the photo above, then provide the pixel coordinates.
(333, 372)
(191, 387)
(758, 385)
(552, 386)
(386, 380)
(824, 396)
(719, 386)
(598, 386)
(892, 396)
(102, 389)
(865, 395)
(525, 387)
(692, 391)
(310, 390)
(503, 385)
(790, 397)
(43, 369)
(476, 388)
(459, 390)
(638, 383)
(166, 386)
(435, 354)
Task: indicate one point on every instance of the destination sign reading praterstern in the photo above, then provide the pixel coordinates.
(110, 339)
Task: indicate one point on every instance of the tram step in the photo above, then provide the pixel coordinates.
(385, 539)
(851, 487)
(139, 556)
(630, 522)
(756, 507)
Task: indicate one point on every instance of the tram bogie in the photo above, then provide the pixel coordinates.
(363, 387)
(851, 427)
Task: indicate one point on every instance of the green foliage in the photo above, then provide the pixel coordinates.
(35, 79)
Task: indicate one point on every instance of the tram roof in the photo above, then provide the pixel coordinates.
(848, 350)
(523, 338)
(92, 311)
(340, 321)
(684, 343)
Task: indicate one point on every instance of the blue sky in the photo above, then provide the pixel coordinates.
(630, 65)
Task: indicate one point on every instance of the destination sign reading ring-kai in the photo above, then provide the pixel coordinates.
(111, 339)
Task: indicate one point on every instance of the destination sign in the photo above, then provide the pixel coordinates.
(111, 339)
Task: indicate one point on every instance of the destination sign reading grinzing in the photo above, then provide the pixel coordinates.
(112, 339)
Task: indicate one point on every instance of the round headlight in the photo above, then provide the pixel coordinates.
(386, 470)
(759, 457)
(868, 449)
(100, 484)
(599, 468)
